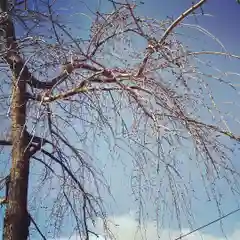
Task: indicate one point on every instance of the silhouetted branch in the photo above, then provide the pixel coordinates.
(5, 142)
(36, 226)
(65, 168)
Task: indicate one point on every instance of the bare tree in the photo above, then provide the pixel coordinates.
(132, 83)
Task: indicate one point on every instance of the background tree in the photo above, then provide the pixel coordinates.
(131, 83)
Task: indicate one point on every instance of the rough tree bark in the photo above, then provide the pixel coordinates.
(16, 221)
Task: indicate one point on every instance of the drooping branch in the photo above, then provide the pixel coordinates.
(37, 227)
(45, 164)
(51, 156)
(86, 196)
(215, 128)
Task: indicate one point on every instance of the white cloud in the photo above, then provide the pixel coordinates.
(126, 228)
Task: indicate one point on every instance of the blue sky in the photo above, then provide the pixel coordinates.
(225, 26)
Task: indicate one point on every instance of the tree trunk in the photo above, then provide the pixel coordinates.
(16, 221)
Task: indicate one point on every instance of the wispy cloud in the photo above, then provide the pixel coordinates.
(125, 227)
